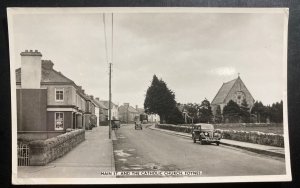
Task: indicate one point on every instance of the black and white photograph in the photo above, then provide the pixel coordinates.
(149, 95)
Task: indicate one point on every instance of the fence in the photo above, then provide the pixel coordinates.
(23, 155)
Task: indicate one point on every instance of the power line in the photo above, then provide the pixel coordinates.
(112, 37)
(104, 28)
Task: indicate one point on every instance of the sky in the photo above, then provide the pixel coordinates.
(193, 53)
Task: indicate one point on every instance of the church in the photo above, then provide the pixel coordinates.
(233, 90)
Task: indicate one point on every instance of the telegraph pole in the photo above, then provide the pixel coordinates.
(109, 102)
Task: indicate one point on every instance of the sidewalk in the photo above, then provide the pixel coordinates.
(257, 148)
(86, 160)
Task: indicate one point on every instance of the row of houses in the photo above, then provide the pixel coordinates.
(48, 102)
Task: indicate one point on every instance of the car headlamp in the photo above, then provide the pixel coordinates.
(205, 134)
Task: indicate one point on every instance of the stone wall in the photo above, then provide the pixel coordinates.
(44, 151)
(255, 137)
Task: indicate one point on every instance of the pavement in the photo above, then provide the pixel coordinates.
(257, 148)
(87, 160)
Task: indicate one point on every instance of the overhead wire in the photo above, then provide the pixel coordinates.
(105, 38)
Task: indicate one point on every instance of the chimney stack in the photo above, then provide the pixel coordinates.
(97, 98)
(126, 105)
(136, 107)
(47, 64)
(31, 69)
(92, 97)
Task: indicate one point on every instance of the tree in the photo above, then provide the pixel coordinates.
(260, 111)
(192, 110)
(175, 117)
(232, 108)
(160, 100)
(244, 111)
(232, 111)
(218, 116)
(276, 112)
(205, 113)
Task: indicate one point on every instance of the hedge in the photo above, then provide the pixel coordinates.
(244, 136)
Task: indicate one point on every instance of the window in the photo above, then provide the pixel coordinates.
(59, 94)
(59, 121)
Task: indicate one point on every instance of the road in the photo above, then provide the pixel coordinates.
(143, 150)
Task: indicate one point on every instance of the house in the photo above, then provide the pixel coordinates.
(114, 110)
(102, 111)
(233, 90)
(153, 118)
(127, 113)
(48, 102)
(89, 117)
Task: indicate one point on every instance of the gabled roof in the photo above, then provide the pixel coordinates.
(223, 92)
(130, 109)
(100, 105)
(140, 110)
(49, 75)
(106, 104)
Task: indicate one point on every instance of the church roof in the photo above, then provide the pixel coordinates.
(223, 92)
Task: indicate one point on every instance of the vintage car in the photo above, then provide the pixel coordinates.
(205, 133)
(138, 125)
(115, 124)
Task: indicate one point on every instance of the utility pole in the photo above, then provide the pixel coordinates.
(109, 102)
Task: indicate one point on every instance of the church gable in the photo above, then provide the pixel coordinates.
(238, 93)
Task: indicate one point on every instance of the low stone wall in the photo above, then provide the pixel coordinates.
(243, 136)
(178, 128)
(45, 151)
(255, 137)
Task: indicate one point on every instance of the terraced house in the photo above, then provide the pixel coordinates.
(47, 101)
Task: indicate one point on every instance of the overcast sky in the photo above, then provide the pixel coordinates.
(193, 53)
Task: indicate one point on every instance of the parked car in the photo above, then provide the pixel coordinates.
(138, 125)
(205, 133)
(115, 124)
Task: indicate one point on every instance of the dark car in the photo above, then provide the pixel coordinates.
(138, 125)
(115, 124)
(205, 133)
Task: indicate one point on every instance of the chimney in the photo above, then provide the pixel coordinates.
(97, 98)
(31, 71)
(126, 105)
(82, 91)
(136, 106)
(92, 97)
(47, 64)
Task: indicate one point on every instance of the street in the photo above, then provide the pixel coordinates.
(143, 150)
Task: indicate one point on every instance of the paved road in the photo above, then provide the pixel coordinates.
(137, 150)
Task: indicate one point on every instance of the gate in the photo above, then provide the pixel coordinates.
(23, 155)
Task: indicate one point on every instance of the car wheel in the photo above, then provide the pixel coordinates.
(194, 140)
(218, 143)
(201, 142)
